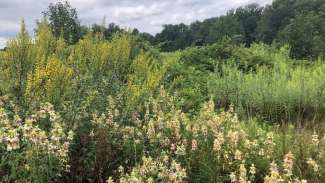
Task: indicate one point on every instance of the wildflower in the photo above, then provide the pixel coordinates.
(42, 114)
(172, 147)
(313, 164)
(252, 171)
(17, 120)
(242, 173)
(137, 141)
(178, 174)
(70, 135)
(233, 177)
(194, 145)
(270, 144)
(116, 112)
(288, 164)
(110, 180)
(121, 169)
(165, 159)
(67, 168)
(269, 138)
(274, 176)
(195, 131)
(261, 152)
(204, 131)
(180, 150)
(150, 180)
(238, 155)
(233, 137)
(53, 116)
(156, 168)
(92, 134)
(216, 145)
(12, 140)
(274, 167)
(225, 155)
(151, 129)
(247, 144)
(218, 141)
(302, 181)
(315, 139)
(27, 167)
(254, 143)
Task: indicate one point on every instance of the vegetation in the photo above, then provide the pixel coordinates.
(64, 21)
(111, 107)
(277, 89)
(298, 23)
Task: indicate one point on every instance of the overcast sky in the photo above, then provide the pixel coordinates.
(146, 15)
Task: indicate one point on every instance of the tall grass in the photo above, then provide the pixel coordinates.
(280, 91)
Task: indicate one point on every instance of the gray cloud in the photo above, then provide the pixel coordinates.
(146, 15)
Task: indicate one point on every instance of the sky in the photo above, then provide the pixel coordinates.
(146, 15)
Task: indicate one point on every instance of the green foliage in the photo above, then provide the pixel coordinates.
(187, 82)
(51, 83)
(274, 18)
(248, 17)
(174, 37)
(206, 58)
(145, 76)
(275, 90)
(305, 34)
(16, 63)
(45, 43)
(297, 23)
(123, 111)
(240, 25)
(64, 21)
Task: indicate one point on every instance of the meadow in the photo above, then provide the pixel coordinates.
(120, 110)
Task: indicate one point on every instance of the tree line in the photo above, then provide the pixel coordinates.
(297, 23)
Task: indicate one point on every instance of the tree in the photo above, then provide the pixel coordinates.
(174, 37)
(63, 20)
(306, 36)
(224, 26)
(274, 18)
(298, 23)
(248, 17)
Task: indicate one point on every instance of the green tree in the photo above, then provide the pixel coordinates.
(274, 18)
(174, 37)
(306, 36)
(63, 20)
(248, 17)
(224, 26)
